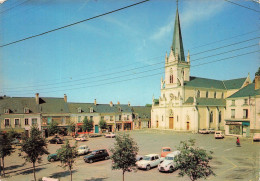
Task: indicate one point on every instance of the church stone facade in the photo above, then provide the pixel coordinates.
(190, 103)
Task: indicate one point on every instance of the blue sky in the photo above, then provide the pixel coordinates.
(120, 56)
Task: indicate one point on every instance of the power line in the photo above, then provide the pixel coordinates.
(142, 76)
(242, 6)
(224, 46)
(72, 24)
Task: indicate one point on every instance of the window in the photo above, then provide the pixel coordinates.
(26, 110)
(207, 94)
(215, 95)
(7, 122)
(26, 121)
(91, 110)
(171, 76)
(120, 117)
(232, 113)
(219, 117)
(198, 93)
(222, 95)
(91, 118)
(211, 117)
(111, 118)
(245, 113)
(6, 111)
(34, 121)
(127, 117)
(233, 103)
(16, 122)
(79, 119)
(245, 101)
(79, 110)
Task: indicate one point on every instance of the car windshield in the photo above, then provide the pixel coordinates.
(168, 158)
(147, 158)
(167, 149)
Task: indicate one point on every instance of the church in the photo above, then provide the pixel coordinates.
(190, 103)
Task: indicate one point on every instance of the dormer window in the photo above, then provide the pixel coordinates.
(6, 111)
(79, 110)
(91, 110)
(26, 110)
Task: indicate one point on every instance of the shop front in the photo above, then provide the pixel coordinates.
(238, 128)
(79, 129)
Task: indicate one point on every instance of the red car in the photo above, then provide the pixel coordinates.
(165, 151)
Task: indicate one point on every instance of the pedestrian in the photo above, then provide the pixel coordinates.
(238, 142)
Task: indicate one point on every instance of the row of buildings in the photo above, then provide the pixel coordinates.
(21, 113)
(189, 103)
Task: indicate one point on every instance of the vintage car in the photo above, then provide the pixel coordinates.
(168, 163)
(139, 157)
(81, 138)
(165, 151)
(110, 135)
(53, 157)
(149, 161)
(211, 130)
(203, 131)
(55, 140)
(256, 137)
(83, 150)
(219, 134)
(96, 155)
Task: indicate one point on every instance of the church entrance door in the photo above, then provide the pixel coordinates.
(188, 125)
(170, 122)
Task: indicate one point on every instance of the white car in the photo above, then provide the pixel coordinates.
(219, 134)
(168, 164)
(81, 138)
(149, 161)
(83, 150)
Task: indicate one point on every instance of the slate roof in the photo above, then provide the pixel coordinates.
(144, 112)
(207, 101)
(99, 108)
(246, 91)
(216, 84)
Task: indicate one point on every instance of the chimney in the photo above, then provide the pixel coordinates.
(111, 104)
(118, 102)
(257, 82)
(37, 98)
(65, 97)
(128, 103)
(95, 102)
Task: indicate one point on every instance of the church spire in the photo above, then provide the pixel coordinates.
(177, 45)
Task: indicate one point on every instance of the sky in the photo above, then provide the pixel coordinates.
(120, 56)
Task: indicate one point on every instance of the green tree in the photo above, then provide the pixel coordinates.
(34, 147)
(67, 155)
(6, 148)
(53, 128)
(102, 124)
(87, 125)
(71, 127)
(148, 105)
(124, 153)
(193, 161)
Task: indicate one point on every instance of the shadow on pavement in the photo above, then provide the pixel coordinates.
(14, 166)
(30, 171)
(62, 174)
(24, 169)
(96, 179)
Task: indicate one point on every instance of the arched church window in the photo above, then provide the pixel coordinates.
(219, 117)
(211, 117)
(171, 76)
(198, 93)
(207, 94)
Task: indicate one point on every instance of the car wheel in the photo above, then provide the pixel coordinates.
(52, 160)
(107, 157)
(148, 167)
(90, 161)
(171, 169)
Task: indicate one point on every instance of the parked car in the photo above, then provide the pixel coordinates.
(219, 134)
(211, 130)
(53, 157)
(83, 150)
(256, 137)
(55, 140)
(81, 138)
(165, 151)
(16, 142)
(168, 163)
(203, 131)
(49, 179)
(96, 155)
(149, 161)
(110, 135)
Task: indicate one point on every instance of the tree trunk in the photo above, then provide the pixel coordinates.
(3, 166)
(123, 175)
(34, 171)
(70, 174)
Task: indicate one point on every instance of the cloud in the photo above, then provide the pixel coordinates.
(2, 1)
(193, 11)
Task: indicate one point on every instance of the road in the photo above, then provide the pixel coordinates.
(229, 162)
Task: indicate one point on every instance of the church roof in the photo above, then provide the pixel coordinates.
(206, 101)
(177, 45)
(246, 91)
(215, 84)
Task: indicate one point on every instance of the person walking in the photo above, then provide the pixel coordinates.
(238, 142)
